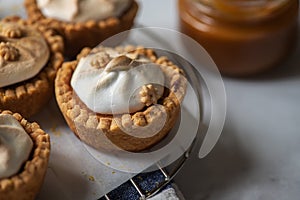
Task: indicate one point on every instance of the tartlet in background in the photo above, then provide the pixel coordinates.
(27, 182)
(30, 56)
(87, 32)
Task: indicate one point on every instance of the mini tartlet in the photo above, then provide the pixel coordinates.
(30, 56)
(27, 181)
(84, 32)
(154, 108)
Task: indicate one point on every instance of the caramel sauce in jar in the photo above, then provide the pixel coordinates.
(243, 37)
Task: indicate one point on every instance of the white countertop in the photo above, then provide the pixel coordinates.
(258, 154)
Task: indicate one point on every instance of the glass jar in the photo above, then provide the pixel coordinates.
(242, 36)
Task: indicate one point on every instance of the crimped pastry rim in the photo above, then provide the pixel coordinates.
(37, 163)
(68, 104)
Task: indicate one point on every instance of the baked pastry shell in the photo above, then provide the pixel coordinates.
(30, 96)
(26, 184)
(78, 35)
(94, 128)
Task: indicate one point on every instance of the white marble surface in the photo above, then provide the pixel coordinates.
(258, 154)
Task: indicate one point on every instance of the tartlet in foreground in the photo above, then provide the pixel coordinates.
(120, 98)
(24, 151)
(30, 56)
(83, 23)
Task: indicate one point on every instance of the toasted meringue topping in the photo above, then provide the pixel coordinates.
(23, 53)
(121, 85)
(15, 146)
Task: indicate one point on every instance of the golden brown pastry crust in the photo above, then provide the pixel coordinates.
(29, 96)
(27, 183)
(91, 127)
(83, 34)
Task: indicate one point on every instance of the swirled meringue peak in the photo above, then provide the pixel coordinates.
(110, 82)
